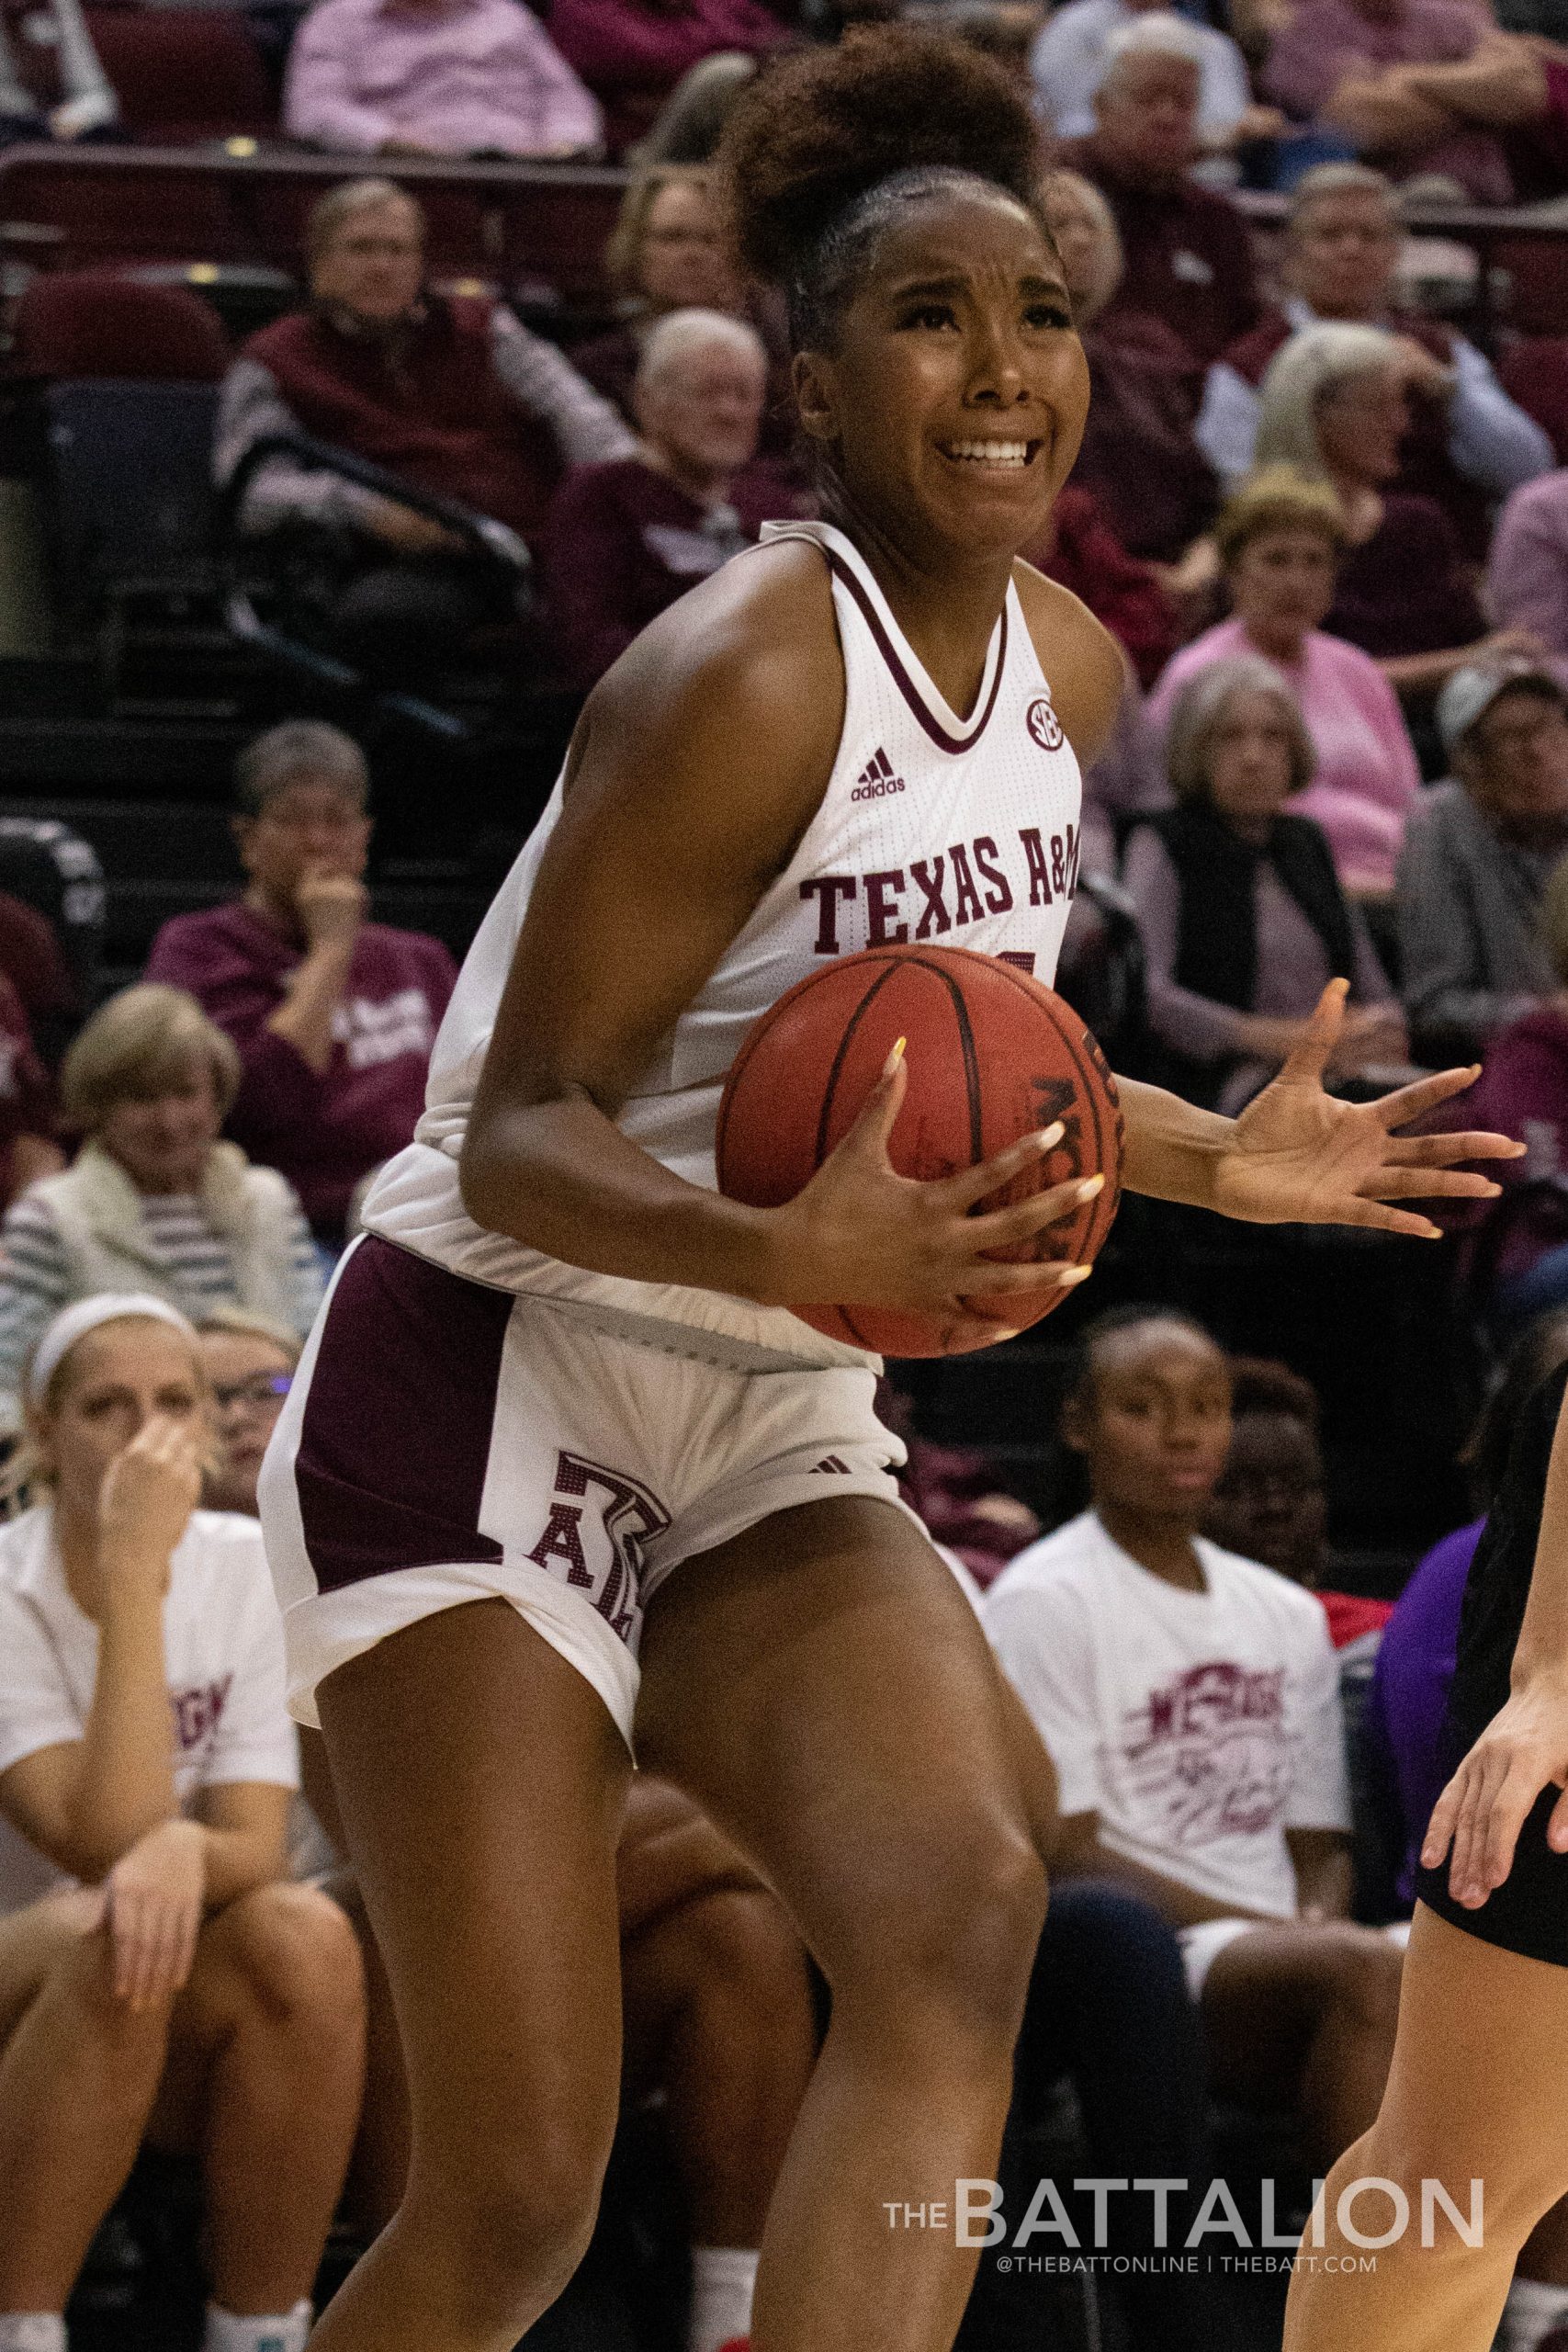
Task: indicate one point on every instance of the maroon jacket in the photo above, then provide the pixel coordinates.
(1084, 554)
(1138, 458)
(1427, 471)
(428, 405)
(1189, 253)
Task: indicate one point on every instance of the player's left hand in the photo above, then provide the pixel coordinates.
(1523, 1750)
(1301, 1156)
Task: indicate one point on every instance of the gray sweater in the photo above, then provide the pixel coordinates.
(1470, 944)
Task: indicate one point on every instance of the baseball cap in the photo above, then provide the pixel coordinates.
(1472, 692)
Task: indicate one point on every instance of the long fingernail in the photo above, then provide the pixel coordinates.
(895, 1058)
(1086, 1191)
(1050, 1136)
(1433, 1233)
(1071, 1274)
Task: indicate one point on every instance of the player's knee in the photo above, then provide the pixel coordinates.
(747, 1951)
(296, 1957)
(514, 2227)
(958, 1931)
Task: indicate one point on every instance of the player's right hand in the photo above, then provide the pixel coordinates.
(861, 1235)
(1523, 1750)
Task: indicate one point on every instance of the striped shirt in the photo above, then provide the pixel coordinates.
(36, 1280)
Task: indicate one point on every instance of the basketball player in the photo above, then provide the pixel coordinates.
(1478, 2088)
(558, 1409)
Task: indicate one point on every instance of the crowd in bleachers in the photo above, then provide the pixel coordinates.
(1330, 532)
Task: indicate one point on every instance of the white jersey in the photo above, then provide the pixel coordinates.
(932, 829)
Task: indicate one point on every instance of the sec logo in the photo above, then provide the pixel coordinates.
(1044, 726)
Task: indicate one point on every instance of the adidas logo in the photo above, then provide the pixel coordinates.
(831, 1462)
(876, 781)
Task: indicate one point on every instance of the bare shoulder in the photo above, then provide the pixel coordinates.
(1084, 667)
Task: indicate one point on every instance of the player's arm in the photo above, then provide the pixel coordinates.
(1296, 1155)
(698, 764)
(1524, 1748)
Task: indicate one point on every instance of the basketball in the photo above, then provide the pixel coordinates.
(992, 1054)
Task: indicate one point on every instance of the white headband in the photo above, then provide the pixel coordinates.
(73, 1323)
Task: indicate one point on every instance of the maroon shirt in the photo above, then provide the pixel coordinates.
(325, 1133)
(1534, 373)
(1138, 458)
(26, 1091)
(1189, 254)
(425, 402)
(622, 542)
(1084, 554)
(1407, 588)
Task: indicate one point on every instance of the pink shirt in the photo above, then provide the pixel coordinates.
(467, 77)
(1367, 776)
(1526, 576)
(1326, 40)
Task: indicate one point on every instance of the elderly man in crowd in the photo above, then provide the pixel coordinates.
(626, 539)
(1071, 50)
(1344, 64)
(449, 393)
(1469, 442)
(333, 1015)
(1188, 254)
(1478, 853)
(435, 77)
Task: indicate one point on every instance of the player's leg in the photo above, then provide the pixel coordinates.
(822, 1687)
(1306, 2016)
(264, 2077)
(1475, 2093)
(482, 1783)
(78, 2075)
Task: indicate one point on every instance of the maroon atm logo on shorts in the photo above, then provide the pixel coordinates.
(1043, 725)
(599, 1525)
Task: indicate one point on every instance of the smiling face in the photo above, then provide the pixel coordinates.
(1249, 760)
(109, 1386)
(1343, 248)
(951, 405)
(1153, 1421)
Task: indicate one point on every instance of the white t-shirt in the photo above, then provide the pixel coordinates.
(1199, 1727)
(223, 1653)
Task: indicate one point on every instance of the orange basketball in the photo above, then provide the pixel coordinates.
(992, 1054)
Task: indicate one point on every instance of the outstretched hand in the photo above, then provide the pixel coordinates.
(1299, 1156)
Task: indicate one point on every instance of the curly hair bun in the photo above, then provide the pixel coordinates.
(824, 126)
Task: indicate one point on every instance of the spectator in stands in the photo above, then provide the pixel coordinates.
(86, 107)
(1243, 917)
(249, 1363)
(159, 1978)
(1512, 86)
(1526, 576)
(333, 1015)
(660, 65)
(1082, 551)
(1072, 49)
(1333, 405)
(626, 539)
(667, 254)
(1516, 1246)
(1534, 373)
(1279, 540)
(1189, 257)
(435, 77)
(28, 1148)
(1272, 1503)
(1337, 63)
(448, 392)
(1342, 247)
(1139, 457)
(52, 926)
(153, 1199)
(1189, 1703)
(1478, 853)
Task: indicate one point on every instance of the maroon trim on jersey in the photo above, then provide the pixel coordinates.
(901, 678)
(394, 1444)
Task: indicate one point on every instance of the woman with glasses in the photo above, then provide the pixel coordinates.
(248, 1363)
